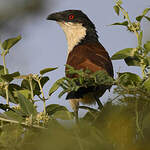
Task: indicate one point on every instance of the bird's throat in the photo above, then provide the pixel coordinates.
(74, 32)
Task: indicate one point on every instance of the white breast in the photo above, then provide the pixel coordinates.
(74, 32)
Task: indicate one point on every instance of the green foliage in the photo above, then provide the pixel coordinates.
(2, 70)
(7, 44)
(23, 127)
(26, 106)
(122, 54)
(135, 56)
(55, 86)
(140, 17)
(125, 23)
(9, 77)
(59, 112)
(117, 10)
(146, 84)
(128, 79)
(46, 70)
(85, 78)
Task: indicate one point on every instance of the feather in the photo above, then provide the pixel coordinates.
(94, 57)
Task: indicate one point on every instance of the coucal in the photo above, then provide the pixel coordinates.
(84, 52)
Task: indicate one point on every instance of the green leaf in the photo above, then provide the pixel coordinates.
(10, 77)
(36, 89)
(14, 115)
(119, 2)
(4, 107)
(147, 84)
(55, 86)
(147, 61)
(139, 18)
(26, 93)
(102, 78)
(25, 85)
(59, 112)
(44, 80)
(147, 47)
(132, 61)
(117, 10)
(148, 18)
(46, 70)
(64, 115)
(122, 54)
(125, 23)
(140, 38)
(2, 70)
(7, 44)
(146, 11)
(11, 89)
(62, 93)
(89, 116)
(129, 79)
(26, 105)
(53, 108)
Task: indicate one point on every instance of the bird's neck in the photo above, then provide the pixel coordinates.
(77, 34)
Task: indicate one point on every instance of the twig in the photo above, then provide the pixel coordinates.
(31, 88)
(4, 52)
(44, 101)
(100, 105)
(17, 122)
(87, 108)
(137, 120)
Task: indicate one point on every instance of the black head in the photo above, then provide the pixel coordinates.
(74, 16)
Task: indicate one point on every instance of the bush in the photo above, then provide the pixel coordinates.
(123, 122)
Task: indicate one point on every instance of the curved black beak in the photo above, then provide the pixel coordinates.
(55, 17)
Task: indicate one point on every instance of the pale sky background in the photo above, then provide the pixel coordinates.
(44, 44)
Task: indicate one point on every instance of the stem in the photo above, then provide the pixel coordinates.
(5, 71)
(17, 122)
(135, 32)
(3, 55)
(7, 95)
(87, 108)
(44, 102)
(4, 63)
(100, 105)
(31, 87)
(137, 120)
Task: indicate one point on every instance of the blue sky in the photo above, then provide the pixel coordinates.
(44, 44)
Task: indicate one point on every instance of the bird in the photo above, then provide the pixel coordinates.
(84, 52)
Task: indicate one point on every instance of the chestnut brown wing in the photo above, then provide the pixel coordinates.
(90, 56)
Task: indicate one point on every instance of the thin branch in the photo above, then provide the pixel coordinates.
(31, 87)
(17, 122)
(42, 92)
(137, 120)
(5, 71)
(87, 108)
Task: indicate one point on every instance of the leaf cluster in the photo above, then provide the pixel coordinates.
(81, 78)
(23, 127)
(138, 56)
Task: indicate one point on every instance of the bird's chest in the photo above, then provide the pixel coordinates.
(74, 33)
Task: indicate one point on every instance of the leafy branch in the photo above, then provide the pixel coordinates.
(129, 83)
(134, 56)
(82, 79)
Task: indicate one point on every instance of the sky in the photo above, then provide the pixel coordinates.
(44, 44)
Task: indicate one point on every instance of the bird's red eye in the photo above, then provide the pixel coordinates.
(71, 17)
